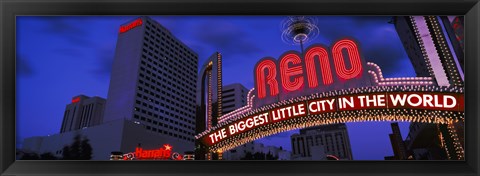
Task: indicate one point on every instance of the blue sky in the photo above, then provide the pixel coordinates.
(61, 57)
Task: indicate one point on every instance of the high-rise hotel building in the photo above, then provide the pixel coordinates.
(153, 81)
(151, 98)
(83, 112)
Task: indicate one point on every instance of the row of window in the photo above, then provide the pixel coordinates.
(229, 106)
(228, 96)
(320, 140)
(229, 90)
(166, 68)
(149, 50)
(158, 79)
(166, 46)
(175, 95)
(154, 91)
(169, 113)
(179, 127)
(170, 39)
(227, 101)
(165, 112)
(186, 75)
(169, 133)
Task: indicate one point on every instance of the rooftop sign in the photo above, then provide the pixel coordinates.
(125, 28)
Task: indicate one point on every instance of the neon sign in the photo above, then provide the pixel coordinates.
(161, 153)
(340, 104)
(164, 153)
(290, 73)
(76, 99)
(125, 28)
(325, 86)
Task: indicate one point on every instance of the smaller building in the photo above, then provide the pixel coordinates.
(234, 96)
(321, 143)
(284, 155)
(256, 151)
(121, 135)
(83, 112)
(399, 149)
(424, 142)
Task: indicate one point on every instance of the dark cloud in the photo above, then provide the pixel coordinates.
(170, 22)
(334, 28)
(379, 42)
(226, 37)
(370, 20)
(388, 58)
(70, 30)
(24, 67)
(103, 62)
(71, 52)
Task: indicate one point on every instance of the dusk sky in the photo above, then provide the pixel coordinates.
(62, 57)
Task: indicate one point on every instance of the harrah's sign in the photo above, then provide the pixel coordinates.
(319, 67)
(125, 28)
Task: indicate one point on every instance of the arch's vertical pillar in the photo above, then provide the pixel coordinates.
(436, 52)
(209, 102)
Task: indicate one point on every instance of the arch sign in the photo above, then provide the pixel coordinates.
(327, 86)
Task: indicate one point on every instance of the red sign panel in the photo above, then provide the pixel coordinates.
(407, 100)
(383, 100)
(125, 28)
(254, 121)
(76, 99)
(162, 153)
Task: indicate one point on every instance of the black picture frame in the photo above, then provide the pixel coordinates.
(10, 9)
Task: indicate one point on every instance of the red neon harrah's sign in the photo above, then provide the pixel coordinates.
(76, 99)
(291, 72)
(125, 28)
(161, 153)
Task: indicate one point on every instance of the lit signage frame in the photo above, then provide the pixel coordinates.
(290, 95)
(433, 101)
